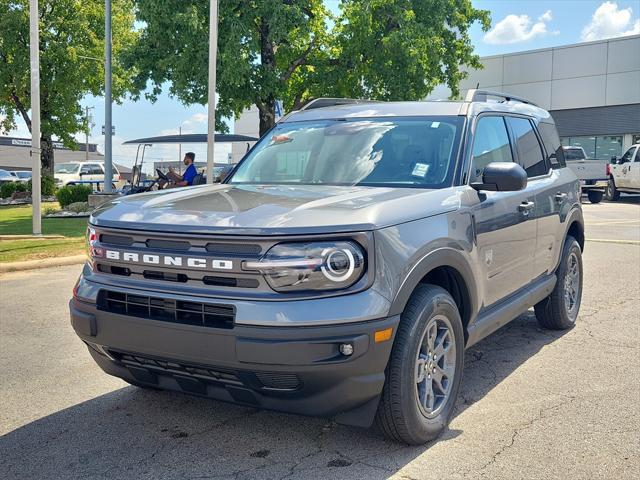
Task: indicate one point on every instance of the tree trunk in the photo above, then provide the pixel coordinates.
(267, 116)
(267, 107)
(46, 154)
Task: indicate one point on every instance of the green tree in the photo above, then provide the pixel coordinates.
(402, 49)
(261, 46)
(296, 50)
(71, 49)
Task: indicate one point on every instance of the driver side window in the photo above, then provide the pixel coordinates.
(628, 155)
(490, 144)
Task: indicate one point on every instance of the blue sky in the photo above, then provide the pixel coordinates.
(517, 25)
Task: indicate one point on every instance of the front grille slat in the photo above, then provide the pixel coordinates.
(167, 310)
(265, 381)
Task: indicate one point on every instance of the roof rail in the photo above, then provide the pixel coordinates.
(323, 102)
(476, 95)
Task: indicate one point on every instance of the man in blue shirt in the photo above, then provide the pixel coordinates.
(189, 174)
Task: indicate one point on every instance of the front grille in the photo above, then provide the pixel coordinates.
(143, 365)
(167, 309)
(279, 380)
(174, 367)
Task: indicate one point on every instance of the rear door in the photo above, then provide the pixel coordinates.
(505, 228)
(551, 192)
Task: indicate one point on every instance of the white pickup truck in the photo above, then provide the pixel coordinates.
(591, 172)
(624, 173)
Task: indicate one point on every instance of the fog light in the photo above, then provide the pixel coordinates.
(346, 349)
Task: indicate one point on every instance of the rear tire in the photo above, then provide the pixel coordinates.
(425, 368)
(612, 193)
(559, 310)
(595, 196)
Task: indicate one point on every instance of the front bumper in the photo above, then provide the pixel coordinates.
(297, 369)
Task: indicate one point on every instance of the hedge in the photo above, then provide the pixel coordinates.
(72, 194)
(7, 189)
(47, 186)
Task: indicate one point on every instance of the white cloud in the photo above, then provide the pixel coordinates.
(609, 21)
(196, 118)
(518, 28)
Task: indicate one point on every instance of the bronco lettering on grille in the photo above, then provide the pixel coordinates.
(168, 260)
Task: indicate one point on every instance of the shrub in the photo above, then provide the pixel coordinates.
(72, 194)
(78, 207)
(47, 186)
(50, 210)
(8, 189)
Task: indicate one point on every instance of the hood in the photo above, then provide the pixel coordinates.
(273, 209)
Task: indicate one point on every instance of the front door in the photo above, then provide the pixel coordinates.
(625, 169)
(505, 223)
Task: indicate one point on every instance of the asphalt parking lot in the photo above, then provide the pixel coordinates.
(534, 403)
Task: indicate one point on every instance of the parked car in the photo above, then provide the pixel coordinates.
(624, 173)
(71, 173)
(6, 177)
(591, 172)
(345, 264)
(22, 175)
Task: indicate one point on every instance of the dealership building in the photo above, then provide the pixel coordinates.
(591, 89)
(15, 153)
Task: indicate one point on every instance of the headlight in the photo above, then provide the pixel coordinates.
(92, 239)
(311, 266)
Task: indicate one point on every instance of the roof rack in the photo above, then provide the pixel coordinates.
(323, 102)
(476, 95)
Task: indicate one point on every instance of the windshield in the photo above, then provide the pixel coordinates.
(66, 168)
(404, 152)
(4, 173)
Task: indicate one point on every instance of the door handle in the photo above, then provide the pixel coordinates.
(560, 197)
(526, 207)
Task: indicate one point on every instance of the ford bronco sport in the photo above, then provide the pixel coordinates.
(346, 263)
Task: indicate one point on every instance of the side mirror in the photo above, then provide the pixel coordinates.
(82, 174)
(502, 177)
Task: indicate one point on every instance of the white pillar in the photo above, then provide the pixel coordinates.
(34, 45)
(211, 121)
(108, 168)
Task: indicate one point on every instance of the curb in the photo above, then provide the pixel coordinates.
(30, 237)
(44, 263)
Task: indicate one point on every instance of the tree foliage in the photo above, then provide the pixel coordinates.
(295, 50)
(70, 31)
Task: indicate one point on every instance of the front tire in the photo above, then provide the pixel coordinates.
(425, 369)
(595, 196)
(612, 193)
(559, 310)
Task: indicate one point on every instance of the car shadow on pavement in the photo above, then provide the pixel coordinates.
(135, 433)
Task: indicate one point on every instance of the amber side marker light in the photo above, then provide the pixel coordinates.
(383, 335)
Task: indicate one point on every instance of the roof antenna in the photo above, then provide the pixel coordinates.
(477, 85)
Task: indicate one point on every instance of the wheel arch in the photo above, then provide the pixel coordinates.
(446, 268)
(575, 228)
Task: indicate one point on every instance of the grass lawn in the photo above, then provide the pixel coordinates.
(16, 220)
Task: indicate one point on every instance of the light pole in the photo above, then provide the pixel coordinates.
(108, 168)
(86, 133)
(34, 46)
(211, 120)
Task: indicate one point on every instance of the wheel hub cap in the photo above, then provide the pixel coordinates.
(435, 366)
(572, 284)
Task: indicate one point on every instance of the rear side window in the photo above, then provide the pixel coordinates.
(552, 145)
(529, 150)
(490, 144)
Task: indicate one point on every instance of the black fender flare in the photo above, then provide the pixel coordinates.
(441, 257)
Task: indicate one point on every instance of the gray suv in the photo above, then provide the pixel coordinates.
(346, 263)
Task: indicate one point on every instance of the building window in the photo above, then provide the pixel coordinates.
(635, 138)
(598, 147)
